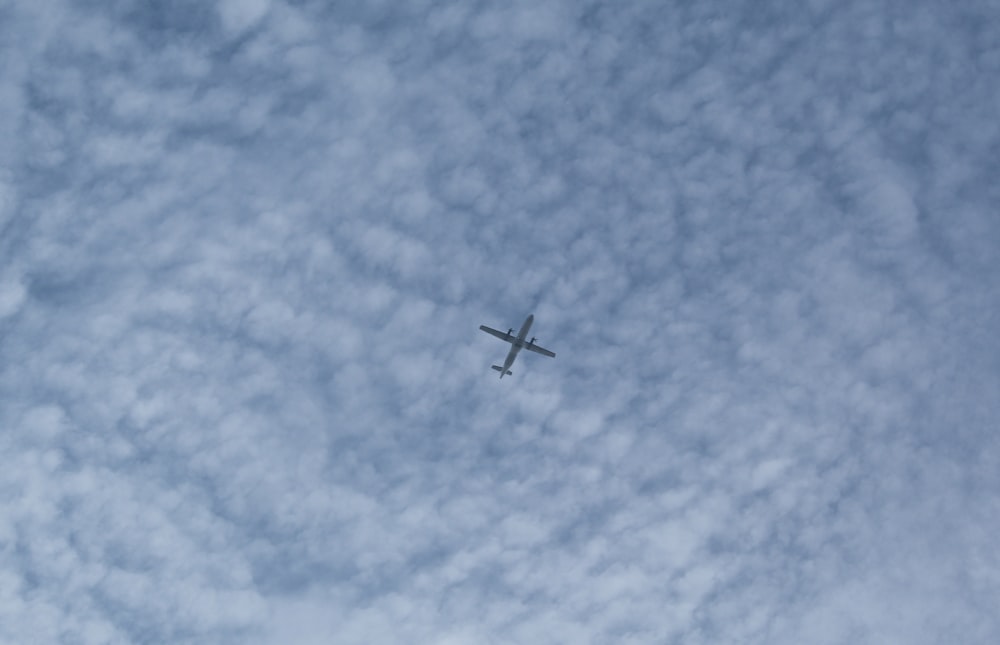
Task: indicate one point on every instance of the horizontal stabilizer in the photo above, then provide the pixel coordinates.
(500, 369)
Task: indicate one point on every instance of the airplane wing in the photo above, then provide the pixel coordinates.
(540, 350)
(499, 334)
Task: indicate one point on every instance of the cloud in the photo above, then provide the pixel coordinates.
(238, 15)
(245, 251)
(12, 295)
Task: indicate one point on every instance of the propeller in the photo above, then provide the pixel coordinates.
(532, 341)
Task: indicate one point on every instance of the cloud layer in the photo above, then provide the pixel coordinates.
(245, 249)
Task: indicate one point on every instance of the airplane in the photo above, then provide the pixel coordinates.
(517, 343)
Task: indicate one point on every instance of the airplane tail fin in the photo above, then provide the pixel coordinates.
(500, 369)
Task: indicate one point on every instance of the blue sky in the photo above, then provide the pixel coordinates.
(245, 247)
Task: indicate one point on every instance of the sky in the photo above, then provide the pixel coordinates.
(246, 245)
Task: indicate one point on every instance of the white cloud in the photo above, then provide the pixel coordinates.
(12, 296)
(245, 400)
(240, 15)
(8, 200)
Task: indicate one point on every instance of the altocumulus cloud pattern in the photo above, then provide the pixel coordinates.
(245, 247)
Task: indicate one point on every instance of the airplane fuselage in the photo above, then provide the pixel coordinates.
(516, 344)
